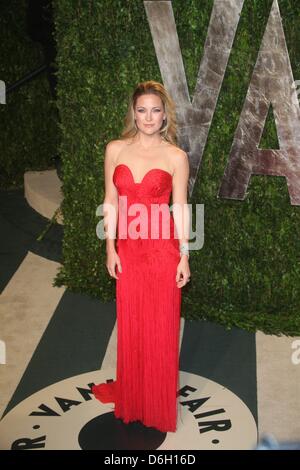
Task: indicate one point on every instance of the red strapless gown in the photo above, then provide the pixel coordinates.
(148, 305)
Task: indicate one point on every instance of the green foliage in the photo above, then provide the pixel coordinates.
(29, 134)
(248, 272)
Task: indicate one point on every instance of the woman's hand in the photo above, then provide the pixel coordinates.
(183, 272)
(112, 261)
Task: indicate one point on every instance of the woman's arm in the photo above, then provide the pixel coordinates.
(179, 196)
(111, 196)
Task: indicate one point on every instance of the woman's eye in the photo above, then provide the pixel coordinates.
(142, 110)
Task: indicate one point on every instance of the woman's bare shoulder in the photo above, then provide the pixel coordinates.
(175, 149)
(116, 144)
(177, 156)
(114, 147)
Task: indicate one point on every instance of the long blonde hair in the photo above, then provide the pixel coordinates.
(168, 129)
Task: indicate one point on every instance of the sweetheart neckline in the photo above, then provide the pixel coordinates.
(149, 171)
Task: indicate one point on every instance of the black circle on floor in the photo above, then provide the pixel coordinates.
(106, 432)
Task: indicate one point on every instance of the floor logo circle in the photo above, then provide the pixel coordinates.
(66, 415)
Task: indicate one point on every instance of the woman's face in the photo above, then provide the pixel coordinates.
(149, 113)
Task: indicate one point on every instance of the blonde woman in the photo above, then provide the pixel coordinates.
(149, 262)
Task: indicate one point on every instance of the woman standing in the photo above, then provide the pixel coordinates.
(150, 261)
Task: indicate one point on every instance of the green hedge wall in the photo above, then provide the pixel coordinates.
(29, 130)
(247, 273)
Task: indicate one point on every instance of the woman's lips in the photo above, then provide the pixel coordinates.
(148, 125)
